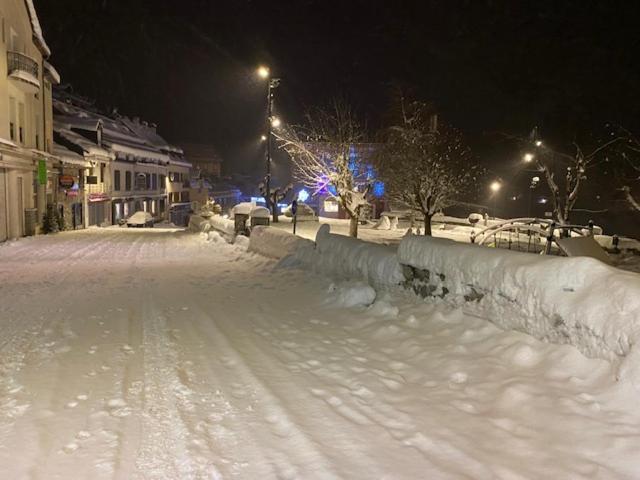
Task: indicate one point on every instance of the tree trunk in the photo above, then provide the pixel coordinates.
(353, 227)
(427, 225)
(274, 212)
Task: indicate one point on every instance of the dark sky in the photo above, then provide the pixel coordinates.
(188, 65)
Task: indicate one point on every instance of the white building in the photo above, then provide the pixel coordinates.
(26, 139)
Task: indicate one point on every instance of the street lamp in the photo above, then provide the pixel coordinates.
(528, 157)
(495, 188)
(263, 72)
(532, 187)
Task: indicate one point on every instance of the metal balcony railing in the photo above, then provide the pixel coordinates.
(18, 62)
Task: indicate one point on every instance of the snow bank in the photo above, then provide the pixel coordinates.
(223, 225)
(351, 294)
(276, 243)
(352, 258)
(578, 301)
(198, 223)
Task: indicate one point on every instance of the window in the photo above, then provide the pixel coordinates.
(148, 181)
(185, 197)
(116, 180)
(154, 181)
(37, 131)
(21, 122)
(12, 118)
(127, 180)
(163, 182)
(102, 165)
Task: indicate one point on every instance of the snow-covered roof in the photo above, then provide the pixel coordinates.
(38, 38)
(127, 139)
(51, 73)
(67, 156)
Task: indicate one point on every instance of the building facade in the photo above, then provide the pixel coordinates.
(27, 163)
(130, 167)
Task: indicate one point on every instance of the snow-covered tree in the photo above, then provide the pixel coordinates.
(321, 152)
(564, 172)
(273, 197)
(628, 168)
(425, 165)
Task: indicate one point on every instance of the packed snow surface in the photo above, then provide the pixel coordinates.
(146, 354)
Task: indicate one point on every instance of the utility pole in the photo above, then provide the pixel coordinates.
(271, 203)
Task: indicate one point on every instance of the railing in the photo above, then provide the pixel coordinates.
(527, 234)
(20, 62)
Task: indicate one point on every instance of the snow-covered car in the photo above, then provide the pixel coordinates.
(140, 219)
(305, 212)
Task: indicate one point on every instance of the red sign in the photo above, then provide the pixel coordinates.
(98, 197)
(66, 181)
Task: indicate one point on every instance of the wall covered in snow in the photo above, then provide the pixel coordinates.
(352, 258)
(275, 243)
(578, 301)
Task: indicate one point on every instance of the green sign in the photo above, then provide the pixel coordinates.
(42, 172)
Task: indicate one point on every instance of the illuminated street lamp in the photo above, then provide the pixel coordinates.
(538, 143)
(264, 72)
(495, 187)
(528, 157)
(263, 138)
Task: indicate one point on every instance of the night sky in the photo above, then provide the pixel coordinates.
(490, 66)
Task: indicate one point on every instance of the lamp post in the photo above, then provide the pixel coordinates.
(272, 84)
(532, 186)
(495, 188)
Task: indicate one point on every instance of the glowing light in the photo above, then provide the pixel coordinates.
(275, 122)
(303, 195)
(535, 179)
(263, 72)
(378, 189)
(528, 157)
(495, 186)
(263, 138)
(538, 143)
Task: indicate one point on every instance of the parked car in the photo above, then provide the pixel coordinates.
(140, 219)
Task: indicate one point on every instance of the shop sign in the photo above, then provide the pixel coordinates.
(66, 181)
(42, 172)
(98, 197)
(330, 206)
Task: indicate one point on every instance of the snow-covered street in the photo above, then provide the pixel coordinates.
(149, 353)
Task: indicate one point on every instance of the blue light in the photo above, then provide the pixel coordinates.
(257, 199)
(332, 190)
(303, 195)
(378, 189)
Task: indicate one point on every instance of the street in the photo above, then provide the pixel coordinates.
(153, 354)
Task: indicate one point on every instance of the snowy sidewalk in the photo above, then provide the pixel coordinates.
(149, 354)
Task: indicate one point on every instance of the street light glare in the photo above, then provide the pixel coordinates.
(538, 143)
(263, 138)
(495, 186)
(263, 72)
(528, 157)
(275, 122)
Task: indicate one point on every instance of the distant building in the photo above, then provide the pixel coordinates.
(26, 135)
(130, 167)
(204, 159)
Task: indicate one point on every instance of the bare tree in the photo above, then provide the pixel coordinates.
(425, 165)
(629, 168)
(564, 173)
(273, 197)
(321, 154)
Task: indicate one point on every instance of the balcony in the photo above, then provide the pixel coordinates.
(24, 70)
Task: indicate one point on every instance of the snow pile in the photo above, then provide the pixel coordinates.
(242, 242)
(213, 236)
(222, 224)
(275, 243)
(197, 223)
(578, 301)
(351, 294)
(352, 258)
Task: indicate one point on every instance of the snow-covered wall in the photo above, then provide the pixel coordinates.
(578, 301)
(276, 243)
(352, 258)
